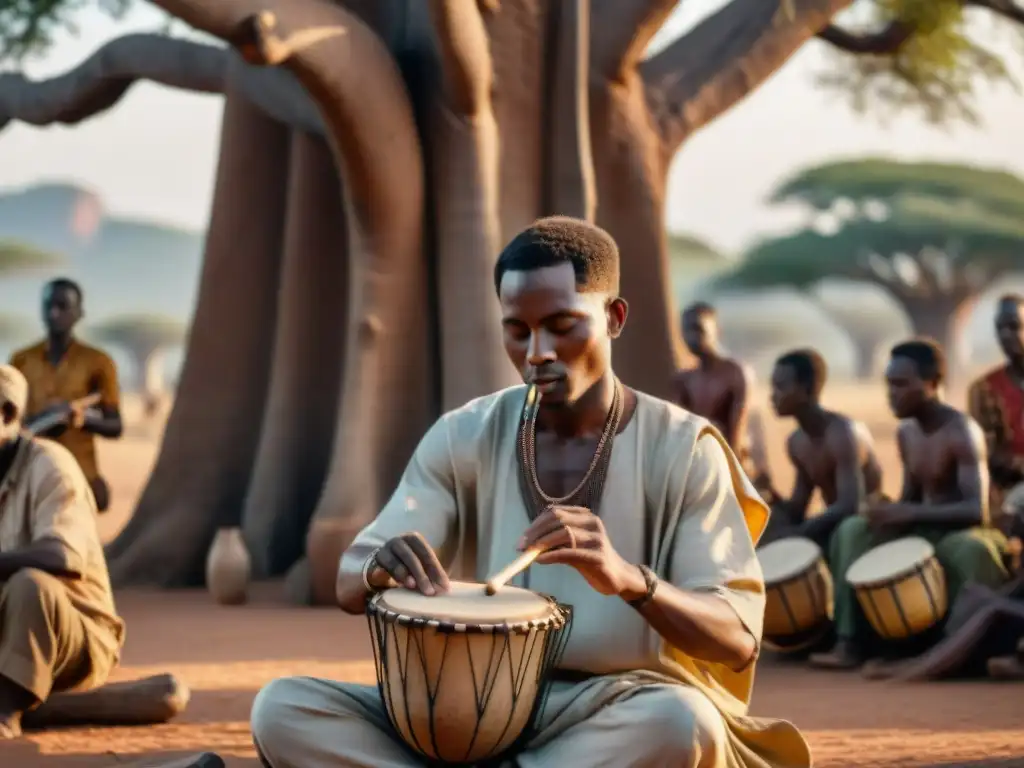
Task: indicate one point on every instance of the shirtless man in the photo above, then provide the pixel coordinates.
(996, 402)
(58, 627)
(831, 453)
(61, 370)
(666, 624)
(944, 498)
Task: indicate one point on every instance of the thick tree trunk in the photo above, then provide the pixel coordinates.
(941, 318)
(631, 177)
(202, 473)
(867, 350)
(299, 420)
(149, 366)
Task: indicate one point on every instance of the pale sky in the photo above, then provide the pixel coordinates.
(154, 154)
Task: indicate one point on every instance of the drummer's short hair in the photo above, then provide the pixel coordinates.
(927, 356)
(555, 240)
(810, 368)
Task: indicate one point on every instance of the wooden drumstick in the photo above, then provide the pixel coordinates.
(512, 570)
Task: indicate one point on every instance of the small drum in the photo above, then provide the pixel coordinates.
(798, 594)
(464, 675)
(901, 587)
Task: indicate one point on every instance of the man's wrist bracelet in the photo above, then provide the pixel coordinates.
(368, 565)
(651, 580)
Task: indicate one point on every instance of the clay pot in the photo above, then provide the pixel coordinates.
(228, 567)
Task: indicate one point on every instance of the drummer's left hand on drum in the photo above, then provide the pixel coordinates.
(575, 536)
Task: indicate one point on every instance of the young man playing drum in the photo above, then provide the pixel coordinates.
(832, 454)
(654, 548)
(944, 497)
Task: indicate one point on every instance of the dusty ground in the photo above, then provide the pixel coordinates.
(225, 654)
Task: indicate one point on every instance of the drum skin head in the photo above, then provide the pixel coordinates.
(786, 558)
(467, 603)
(889, 561)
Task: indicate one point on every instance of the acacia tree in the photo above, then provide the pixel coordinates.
(145, 338)
(933, 236)
(368, 303)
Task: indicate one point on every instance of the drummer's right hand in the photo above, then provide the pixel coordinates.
(411, 562)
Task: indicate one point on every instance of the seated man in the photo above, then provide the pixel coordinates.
(58, 627)
(719, 388)
(666, 626)
(60, 371)
(944, 497)
(996, 402)
(831, 453)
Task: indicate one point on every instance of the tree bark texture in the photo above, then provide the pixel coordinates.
(309, 343)
(203, 470)
(325, 342)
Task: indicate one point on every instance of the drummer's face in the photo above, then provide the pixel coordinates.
(555, 336)
(787, 393)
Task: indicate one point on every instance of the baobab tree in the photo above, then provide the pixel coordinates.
(347, 304)
(934, 237)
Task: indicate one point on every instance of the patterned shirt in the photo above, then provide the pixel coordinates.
(80, 372)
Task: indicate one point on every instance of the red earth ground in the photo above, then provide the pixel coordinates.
(225, 654)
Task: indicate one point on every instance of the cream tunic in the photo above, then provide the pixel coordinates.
(675, 500)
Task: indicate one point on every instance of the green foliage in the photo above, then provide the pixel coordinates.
(140, 333)
(968, 235)
(937, 71)
(28, 27)
(885, 180)
(17, 257)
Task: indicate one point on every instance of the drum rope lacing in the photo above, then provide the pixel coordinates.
(548, 644)
(588, 492)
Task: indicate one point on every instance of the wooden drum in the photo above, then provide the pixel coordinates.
(464, 675)
(901, 587)
(798, 594)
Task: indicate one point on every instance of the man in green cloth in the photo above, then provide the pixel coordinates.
(658, 563)
(944, 498)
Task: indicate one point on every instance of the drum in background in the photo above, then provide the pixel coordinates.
(901, 587)
(798, 594)
(463, 675)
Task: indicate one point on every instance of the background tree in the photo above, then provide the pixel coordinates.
(146, 338)
(453, 125)
(934, 237)
(18, 258)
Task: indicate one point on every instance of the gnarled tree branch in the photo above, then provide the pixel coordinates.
(570, 164)
(99, 82)
(621, 31)
(724, 58)
(465, 55)
(883, 41)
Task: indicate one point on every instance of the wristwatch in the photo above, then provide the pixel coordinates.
(651, 580)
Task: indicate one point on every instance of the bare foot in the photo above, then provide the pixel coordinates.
(843, 656)
(884, 669)
(10, 727)
(1005, 668)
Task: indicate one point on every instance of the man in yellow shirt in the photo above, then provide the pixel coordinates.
(61, 370)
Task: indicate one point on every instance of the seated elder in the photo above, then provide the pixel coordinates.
(58, 627)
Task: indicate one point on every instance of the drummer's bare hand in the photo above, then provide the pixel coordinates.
(575, 536)
(412, 562)
(886, 515)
